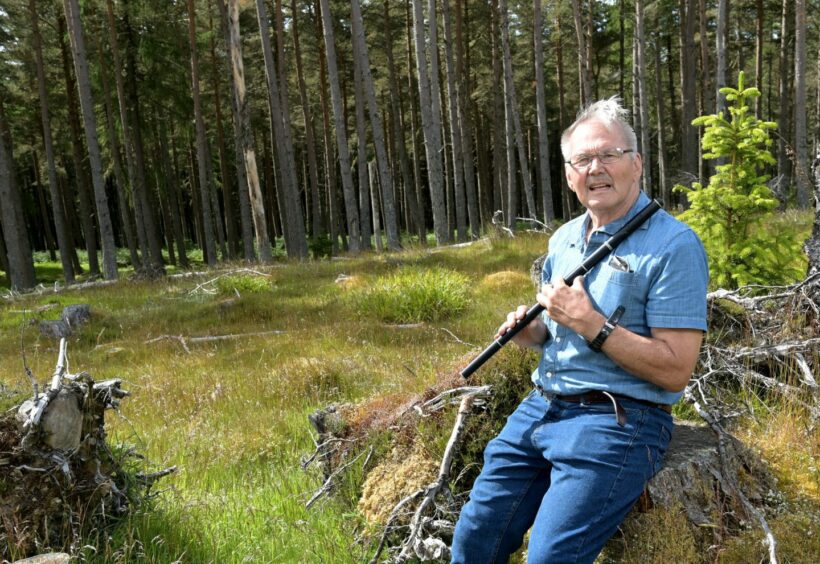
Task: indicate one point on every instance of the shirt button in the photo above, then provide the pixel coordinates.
(548, 374)
(557, 339)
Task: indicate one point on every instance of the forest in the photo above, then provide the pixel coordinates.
(146, 134)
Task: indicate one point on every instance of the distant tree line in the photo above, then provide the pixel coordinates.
(242, 127)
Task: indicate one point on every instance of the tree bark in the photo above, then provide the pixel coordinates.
(243, 118)
(119, 177)
(784, 90)
(514, 119)
(242, 189)
(145, 225)
(689, 134)
(317, 222)
(109, 250)
(455, 127)
(63, 237)
(365, 203)
(643, 98)
(802, 171)
(18, 249)
(294, 223)
(398, 127)
(231, 231)
(391, 226)
(584, 71)
(431, 118)
(660, 109)
(86, 221)
(348, 191)
(720, 53)
(541, 108)
(208, 243)
(463, 90)
(760, 14)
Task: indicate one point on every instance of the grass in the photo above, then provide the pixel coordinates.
(232, 414)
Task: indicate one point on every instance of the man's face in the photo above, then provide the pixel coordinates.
(606, 190)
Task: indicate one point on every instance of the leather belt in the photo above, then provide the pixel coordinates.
(598, 396)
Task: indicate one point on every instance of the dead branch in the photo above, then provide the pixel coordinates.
(727, 477)
(204, 289)
(183, 341)
(328, 484)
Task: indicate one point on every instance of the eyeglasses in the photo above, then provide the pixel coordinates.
(607, 156)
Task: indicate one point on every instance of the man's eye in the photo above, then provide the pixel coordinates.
(609, 156)
(583, 160)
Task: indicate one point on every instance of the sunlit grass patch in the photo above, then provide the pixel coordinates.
(412, 296)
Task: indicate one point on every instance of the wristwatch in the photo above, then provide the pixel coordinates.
(609, 326)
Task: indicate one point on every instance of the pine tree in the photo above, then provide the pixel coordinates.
(730, 213)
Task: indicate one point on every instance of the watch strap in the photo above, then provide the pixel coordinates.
(609, 326)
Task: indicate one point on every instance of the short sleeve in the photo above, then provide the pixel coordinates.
(677, 293)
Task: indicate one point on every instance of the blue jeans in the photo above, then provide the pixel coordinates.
(567, 470)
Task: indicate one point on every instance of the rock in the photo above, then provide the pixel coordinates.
(62, 421)
(72, 317)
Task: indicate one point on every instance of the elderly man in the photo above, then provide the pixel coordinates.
(617, 349)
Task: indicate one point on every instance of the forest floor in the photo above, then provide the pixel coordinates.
(225, 367)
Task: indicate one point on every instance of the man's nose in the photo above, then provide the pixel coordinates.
(595, 167)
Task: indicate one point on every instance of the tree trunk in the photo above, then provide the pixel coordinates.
(86, 220)
(541, 108)
(784, 115)
(294, 223)
(643, 97)
(465, 121)
(661, 115)
(145, 225)
(760, 14)
(374, 203)
(171, 180)
(512, 115)
(398, 127)
(584, 72)
(689, 134)
(455, 127)
(707, 91)
(802, 171)
(119, 176)
(246, 135)
(567, 199)
(243, 190)
(720, 53)
(500, 168)
(391, 225)
(414, 124)
(231, 232)
(63, 237)
(51, 243)
(109, 250)
(317, 222)
(208, 243)
(366, 222)
(348, 191)
(18, 249)
(430, 118)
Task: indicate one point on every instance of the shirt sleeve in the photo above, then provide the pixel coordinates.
(677, 295)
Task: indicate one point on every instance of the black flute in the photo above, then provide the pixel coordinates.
(606, 247)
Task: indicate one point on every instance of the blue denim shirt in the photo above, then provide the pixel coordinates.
(658, 273)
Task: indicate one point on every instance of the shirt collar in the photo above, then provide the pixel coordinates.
(612, 227)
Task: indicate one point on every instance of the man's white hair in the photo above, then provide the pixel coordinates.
(608, 112)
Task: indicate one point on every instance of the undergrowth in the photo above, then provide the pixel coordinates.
(232, 414)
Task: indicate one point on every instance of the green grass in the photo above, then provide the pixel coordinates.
(232, 414)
